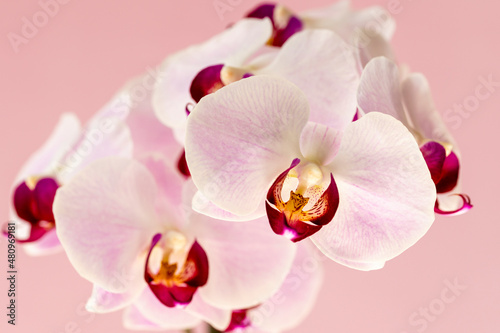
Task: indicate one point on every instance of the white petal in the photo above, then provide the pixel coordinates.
(202, 205)
(167, 318)
(380, 89)
(370, 46)
(95, 144)
(296, 297)
(386, 193)
(217, 318)
(133, 319)
(319, 143)
(247, 261)
(149, 135)
(345, 21)
(106, 219)
(318, 63)
(103, 301)
(230, 47)
(242, 137)
(423, 114)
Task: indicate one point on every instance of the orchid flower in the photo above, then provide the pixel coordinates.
(364, 191)
(65, 153)
(288, 307)
(119, 218)
(339, 17)
(314, 60)
(409, 100)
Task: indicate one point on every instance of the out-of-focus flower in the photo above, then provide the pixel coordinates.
(69, 149)
(370, 176)
(339, 17)
(314, 60)
(110, 224)
(408, 99)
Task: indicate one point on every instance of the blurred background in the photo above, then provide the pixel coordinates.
(88, 49)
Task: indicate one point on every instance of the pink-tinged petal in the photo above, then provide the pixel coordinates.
(370, 45)
(435, 156)
(105, 220)
(464, 207)
(296, 297)
(248, 263)
(239, 138)
(46, 159)
(316, 62)
(217, 318)
(360, 266)
(231, 47)
(386, 193)
(380, 89)
(149, 135)
(345, 21)
(422, 112)
(319, 143)
(133, 319)
(95, 144)
(202, 205)
(103, 301)
(167, 318)
(169, 183)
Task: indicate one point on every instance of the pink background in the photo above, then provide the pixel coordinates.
(89, 48)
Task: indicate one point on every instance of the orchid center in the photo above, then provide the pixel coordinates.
(285, 23)
(175, 268)
(301, 200)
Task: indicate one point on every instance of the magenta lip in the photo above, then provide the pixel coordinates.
(466, 206)
(35, 207)
(206, 82)
(280, 35)
(239, 319)
(180, 295)
(312, 221)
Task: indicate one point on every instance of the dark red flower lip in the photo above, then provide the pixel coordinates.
(177, 290)
(33, 204)
(281, 33)
(207, 81)
(444, 168)
(299, 224)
